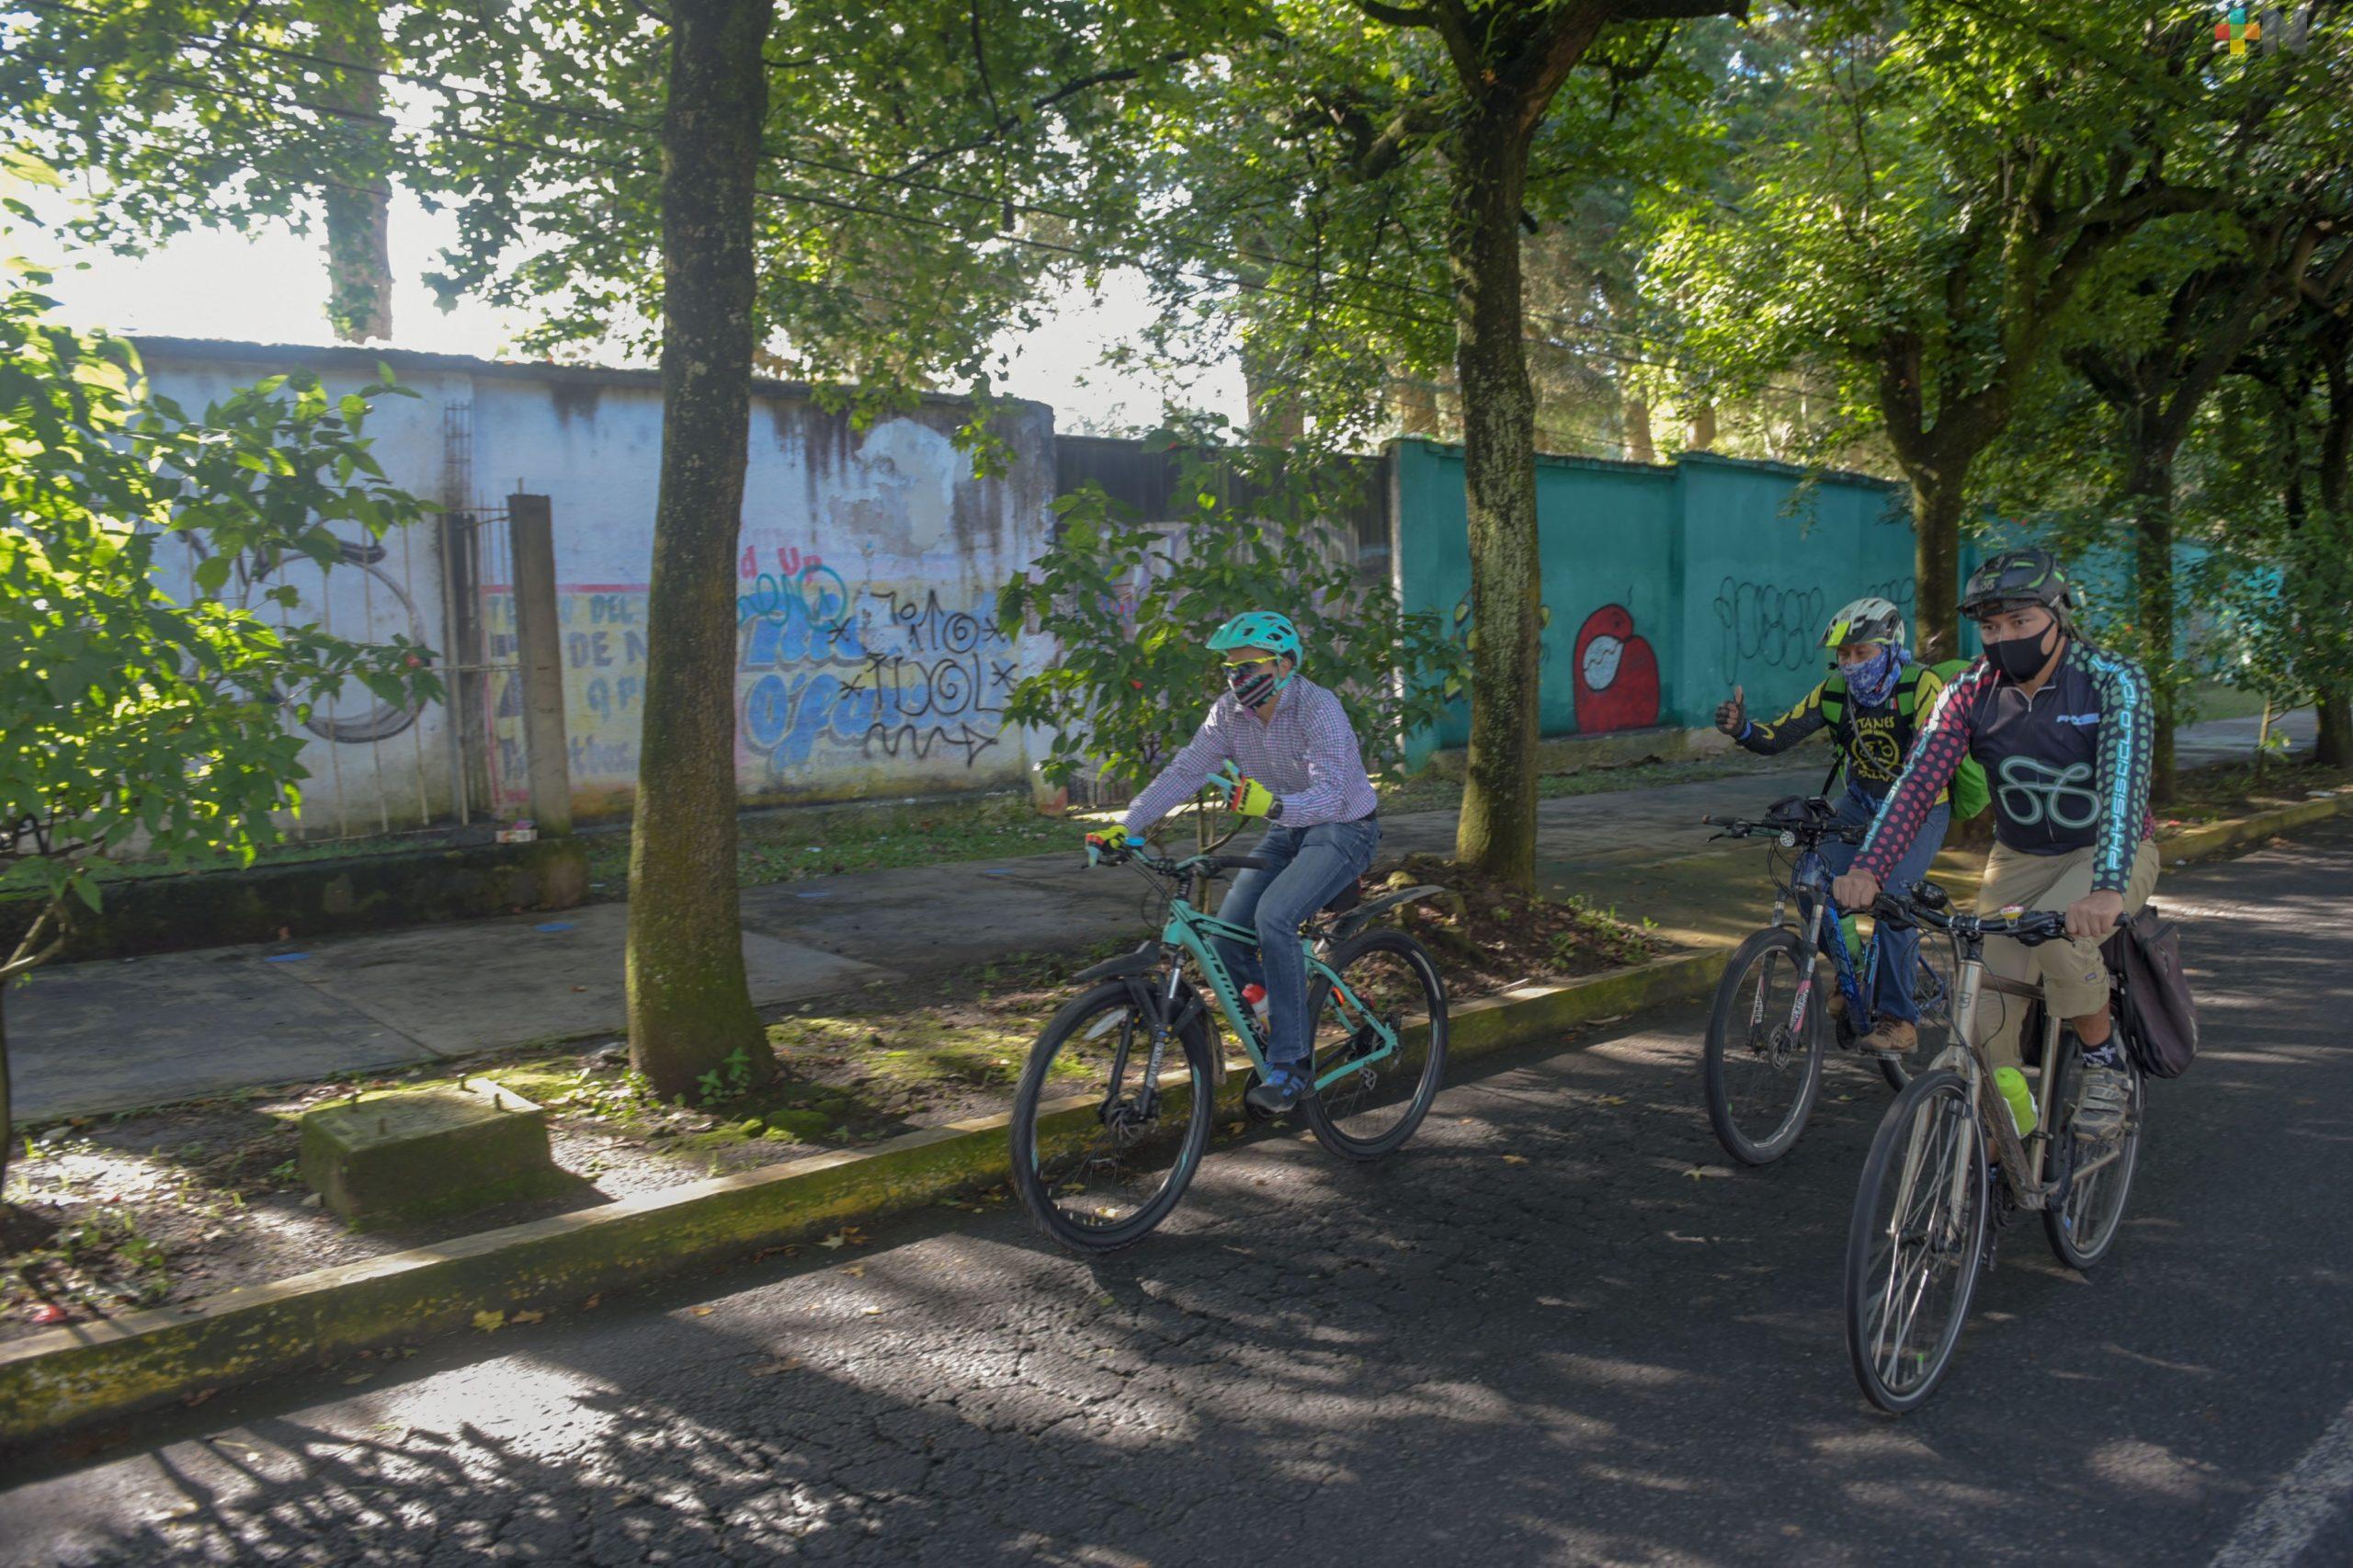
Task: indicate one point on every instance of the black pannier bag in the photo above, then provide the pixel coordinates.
(2155, 1011)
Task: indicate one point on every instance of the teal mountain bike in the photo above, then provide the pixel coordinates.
(1118, 1100)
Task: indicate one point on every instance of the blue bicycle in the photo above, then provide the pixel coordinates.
(1765, 1036)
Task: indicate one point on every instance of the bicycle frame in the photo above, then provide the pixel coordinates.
(1811, 882)
(1189, 931)
(2022, 1158)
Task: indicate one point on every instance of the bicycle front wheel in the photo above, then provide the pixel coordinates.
(1761, 1074)
(1917, 1243)
(1102, 1146)
(1369, 1110)
(2084, 1225)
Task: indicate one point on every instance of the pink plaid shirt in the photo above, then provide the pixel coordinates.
(1307, 755)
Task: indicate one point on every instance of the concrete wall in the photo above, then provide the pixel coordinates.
(870, 661)
(1663, 586)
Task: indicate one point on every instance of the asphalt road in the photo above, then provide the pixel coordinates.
(1559, 1328)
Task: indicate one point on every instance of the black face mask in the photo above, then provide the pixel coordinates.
(1254, 686)
(2021, 658)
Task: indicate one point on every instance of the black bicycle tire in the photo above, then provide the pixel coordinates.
(2055, 1230)
(1735, 1142)
(1039, 1204)
(1886, 1149)
(1329, 1133)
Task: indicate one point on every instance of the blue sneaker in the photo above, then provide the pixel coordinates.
(1283, 1090)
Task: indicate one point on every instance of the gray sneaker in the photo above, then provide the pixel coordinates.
(2102, 1106)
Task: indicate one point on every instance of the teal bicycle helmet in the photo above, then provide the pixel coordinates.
(1259, 629)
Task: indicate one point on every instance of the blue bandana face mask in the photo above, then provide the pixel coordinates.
(1872, 680)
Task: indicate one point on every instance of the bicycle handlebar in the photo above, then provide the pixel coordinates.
(2028, 927)
(1206, 865)
(1746, 827)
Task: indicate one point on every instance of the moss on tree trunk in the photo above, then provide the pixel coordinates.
(690, 1008)
(1497, 832)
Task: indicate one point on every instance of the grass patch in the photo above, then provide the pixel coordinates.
(1490, 937)
(2212, 699)
(789, 845)
(1426, 791)
(2237, 788)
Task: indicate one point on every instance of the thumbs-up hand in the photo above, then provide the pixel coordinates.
(1732, 717)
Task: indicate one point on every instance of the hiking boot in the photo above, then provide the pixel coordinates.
(1890, 1036)
(2106, 1099)
(1837, 1005)
(1283, 1089)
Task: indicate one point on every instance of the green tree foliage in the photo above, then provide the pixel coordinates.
(1943, 182)
(1131, 609)
(924, 169)
(236, 114)
(2271, 484)
(1389, 152)
(137, 721)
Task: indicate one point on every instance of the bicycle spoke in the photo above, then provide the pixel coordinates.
(1922, 1250)
(1107, 1144)
(1378, 1044)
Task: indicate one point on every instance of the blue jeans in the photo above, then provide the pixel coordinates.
(1890, 995)
(1309, 866)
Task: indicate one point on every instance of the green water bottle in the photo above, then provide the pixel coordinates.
(1854, 938)
(2012, 1082)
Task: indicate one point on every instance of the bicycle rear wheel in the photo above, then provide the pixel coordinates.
(2084, 1226)
(1760, 1075)
(1100, 1153)
(1916, 1241)
(1369, 1112)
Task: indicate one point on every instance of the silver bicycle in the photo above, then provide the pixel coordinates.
(1948, 1166)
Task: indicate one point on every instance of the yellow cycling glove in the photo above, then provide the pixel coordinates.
(1107, 844)
(1244, 796)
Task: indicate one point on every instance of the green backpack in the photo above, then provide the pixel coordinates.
(1968, 792)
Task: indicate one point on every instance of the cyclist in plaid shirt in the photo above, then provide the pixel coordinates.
(1289, 756)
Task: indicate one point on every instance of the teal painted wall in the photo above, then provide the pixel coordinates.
(1663, 586)
(1765, 564)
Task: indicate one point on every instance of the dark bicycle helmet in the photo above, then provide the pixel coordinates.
(2020, 577)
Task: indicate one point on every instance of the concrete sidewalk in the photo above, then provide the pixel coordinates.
(93, 1038)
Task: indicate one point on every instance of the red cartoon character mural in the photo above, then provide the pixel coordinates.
(1617, 674)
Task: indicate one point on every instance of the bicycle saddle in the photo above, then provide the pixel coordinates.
(1348, 898)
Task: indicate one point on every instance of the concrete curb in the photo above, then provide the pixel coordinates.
(94, 1372)
(2220, 837)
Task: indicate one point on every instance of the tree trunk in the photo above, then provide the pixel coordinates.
(2334, 747)
(359, 257)
(1498, 833)
(1936, 563)
(690, 1008)
(2149, 498)
(1702, 428)
(1639, 445)
(7, 1107)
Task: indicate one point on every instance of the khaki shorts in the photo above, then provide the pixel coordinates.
(2073, 977)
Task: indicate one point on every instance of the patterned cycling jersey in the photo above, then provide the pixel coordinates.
(2069, 765)
(1871, 739)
